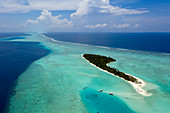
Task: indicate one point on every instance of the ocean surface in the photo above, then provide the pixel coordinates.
(15, 57)
(153, 42)
(12, 35)
(57, 79)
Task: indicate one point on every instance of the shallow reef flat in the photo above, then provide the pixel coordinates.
(63, 82)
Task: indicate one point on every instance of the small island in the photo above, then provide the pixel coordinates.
(102, 61)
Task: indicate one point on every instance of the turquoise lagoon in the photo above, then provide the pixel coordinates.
(63, 82)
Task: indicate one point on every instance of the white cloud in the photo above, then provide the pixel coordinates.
(32, 21)
(82, 7)
(121, 26)
(28, 5)
(86, 11)
(95, 26)
(102, 6)
(86, 6)
(47, 19)
(136, 26)
(119, 11)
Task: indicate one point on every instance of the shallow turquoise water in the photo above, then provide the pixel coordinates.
(55, 83)
(98, 102)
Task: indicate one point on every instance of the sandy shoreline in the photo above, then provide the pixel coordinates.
(137, 87)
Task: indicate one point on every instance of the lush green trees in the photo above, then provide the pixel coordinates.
(101, 61)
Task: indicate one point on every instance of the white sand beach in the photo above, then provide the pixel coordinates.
(137, 87)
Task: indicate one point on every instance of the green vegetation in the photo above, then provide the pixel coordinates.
(102, 61)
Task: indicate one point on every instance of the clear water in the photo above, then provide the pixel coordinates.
(15, 57)
(97, 102)
(63, 82)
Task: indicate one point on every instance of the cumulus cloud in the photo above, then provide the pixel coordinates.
(82, 7)
(120, 26)
(102, 6)
(47, 18)
(95, 26)
(86, 11)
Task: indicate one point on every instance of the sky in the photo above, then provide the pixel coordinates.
(84, 15)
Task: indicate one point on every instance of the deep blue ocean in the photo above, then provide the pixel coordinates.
(150, 42)
(15, 57)
(5, 35)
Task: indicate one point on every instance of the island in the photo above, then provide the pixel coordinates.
(101, 63)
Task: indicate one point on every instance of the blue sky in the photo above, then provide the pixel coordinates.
(84, 15)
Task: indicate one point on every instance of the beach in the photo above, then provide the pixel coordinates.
(137, 87)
